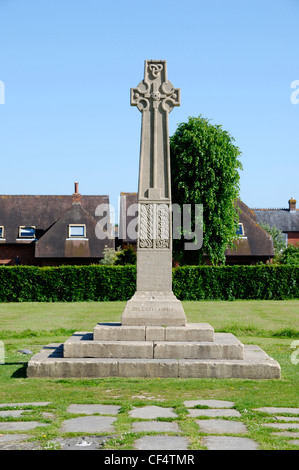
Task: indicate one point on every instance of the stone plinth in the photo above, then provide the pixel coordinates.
(114, 350)
(153, 309)
(50, 362)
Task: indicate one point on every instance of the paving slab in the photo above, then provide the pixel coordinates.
(155, 426)
(9, 438)
(294, 442)
(89, 424)
(20, 425)
(214, 413)
(281, 425)
(81, 443)
(286, 418)
(93, 409)
(221, 426)
(161, 443)
(152, 412)
(209, 403)
(274, 410)
(25, 404)
(229, 443)
(11, 413)
(287, 434)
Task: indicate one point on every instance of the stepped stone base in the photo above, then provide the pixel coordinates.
(51, 363)
(116, 350)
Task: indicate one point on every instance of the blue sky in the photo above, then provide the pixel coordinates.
(68, 65)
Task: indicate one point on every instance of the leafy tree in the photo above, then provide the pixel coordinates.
(110, 255)
(278, 238)
(126, 256)
(204, 170)
(290, 255)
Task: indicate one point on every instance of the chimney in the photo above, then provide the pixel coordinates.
(76, 198)
(292, 204)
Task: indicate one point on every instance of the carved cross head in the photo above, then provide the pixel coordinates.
(155, 91)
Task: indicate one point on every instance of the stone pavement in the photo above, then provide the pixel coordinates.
(153, 427)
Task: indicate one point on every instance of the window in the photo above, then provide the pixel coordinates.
(240, 230)
(77, 231)
(1, 231)
(26, 231)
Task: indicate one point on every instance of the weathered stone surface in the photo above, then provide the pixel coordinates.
(78, 346)
(93, 409)
(11, 413)
(51, 363)
(80, 443)
(152, 412)
(221, 426)
(155, 333)
(275, 409)
(229, 443)
(25, 404)
(155, 426)
(222, 348)
(281, 425)
(20, 425)
(210, 403)
(154, 309)
(89, 424)
(191, 332)
(161, 443)
(154, 303)
(118, 332)
(214, 413)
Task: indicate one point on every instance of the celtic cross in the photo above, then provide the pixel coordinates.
(155, 97)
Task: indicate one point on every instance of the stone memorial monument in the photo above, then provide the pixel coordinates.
(154, 302)
(153, 338)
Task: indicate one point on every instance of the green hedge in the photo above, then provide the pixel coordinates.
(236, 282)
(107, 283)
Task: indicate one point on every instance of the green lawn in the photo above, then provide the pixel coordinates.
(273, 325)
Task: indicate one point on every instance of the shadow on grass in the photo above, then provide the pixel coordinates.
(19, 373)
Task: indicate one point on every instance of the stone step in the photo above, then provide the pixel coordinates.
(49, 362)
(119, 332)
(224, 346)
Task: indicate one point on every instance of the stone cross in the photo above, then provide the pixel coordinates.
(154, 302)
(155, 97)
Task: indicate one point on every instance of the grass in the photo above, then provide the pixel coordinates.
(273, 325)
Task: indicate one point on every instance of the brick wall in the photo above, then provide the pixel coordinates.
(293, 238)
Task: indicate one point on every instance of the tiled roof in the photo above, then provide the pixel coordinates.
(283, 219)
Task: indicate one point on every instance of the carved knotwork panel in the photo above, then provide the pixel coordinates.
(154, 226)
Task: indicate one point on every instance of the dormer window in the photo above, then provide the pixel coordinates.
(1, 231)
(26, 231)
(77, 231)
(240, 230)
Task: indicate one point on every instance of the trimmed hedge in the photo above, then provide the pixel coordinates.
(110, 283)
(259, 282)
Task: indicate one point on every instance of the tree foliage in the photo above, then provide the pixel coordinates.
(278, 237)
(289, 256)
(205, 170)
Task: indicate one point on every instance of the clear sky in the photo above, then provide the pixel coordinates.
(67, 67)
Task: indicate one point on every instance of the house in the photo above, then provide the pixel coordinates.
(286, 220)
(253, 245)
(54, 230)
